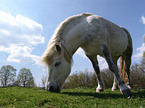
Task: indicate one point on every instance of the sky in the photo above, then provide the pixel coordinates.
(27, 25)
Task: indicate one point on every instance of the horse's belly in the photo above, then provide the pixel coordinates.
(93, 48)
(116, 46)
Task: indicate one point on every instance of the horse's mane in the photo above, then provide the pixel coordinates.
(56, 39)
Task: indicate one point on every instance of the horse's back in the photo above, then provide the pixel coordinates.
(101, 32)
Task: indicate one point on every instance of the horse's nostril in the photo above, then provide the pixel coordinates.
(51, 88)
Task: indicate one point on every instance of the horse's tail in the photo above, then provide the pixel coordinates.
(126, 57)
(122, 69)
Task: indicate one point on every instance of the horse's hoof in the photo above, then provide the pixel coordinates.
(127, 92)
(99, 90)
(113, 89)
(129, 87)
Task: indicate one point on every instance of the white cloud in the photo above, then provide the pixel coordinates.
(81, 52)
(143, 19)
(139, 54)
(20, 53)
(18, 36)
(102, 63)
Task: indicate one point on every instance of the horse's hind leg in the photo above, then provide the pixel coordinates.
(123, 88)
(127, 58)
(94, 61)
(115, 83)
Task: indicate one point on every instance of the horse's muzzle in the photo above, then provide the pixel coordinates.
(54, 89)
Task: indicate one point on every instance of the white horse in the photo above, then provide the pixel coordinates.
(96, 36)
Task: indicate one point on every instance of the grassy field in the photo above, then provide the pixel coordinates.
(19, 97)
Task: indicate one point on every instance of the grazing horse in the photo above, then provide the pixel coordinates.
(96, 36)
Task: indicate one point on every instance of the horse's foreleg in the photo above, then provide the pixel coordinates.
(97, 70)
(123, 88)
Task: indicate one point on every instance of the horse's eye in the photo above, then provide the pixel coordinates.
(57, 64)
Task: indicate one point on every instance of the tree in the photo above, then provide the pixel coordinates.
(143, 59)
(25, 78)
(7, 75)
(30, 82)
(43, 80)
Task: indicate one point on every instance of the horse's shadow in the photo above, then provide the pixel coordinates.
(105, 95)
(95, 95)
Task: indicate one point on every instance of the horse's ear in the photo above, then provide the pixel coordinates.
(58, 48)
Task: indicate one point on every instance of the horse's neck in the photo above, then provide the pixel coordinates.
(71, 46)
(73, 40)
(73, 34)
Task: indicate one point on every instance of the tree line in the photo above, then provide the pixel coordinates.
(8, 77)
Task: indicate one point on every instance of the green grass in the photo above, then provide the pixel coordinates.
(20, 97)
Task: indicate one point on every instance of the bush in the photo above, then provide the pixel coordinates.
(81, 79)
(138, 76)
(88, 79)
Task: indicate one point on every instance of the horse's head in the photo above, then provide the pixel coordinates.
(58, 70)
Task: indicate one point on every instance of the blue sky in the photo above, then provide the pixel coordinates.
(27, 25)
